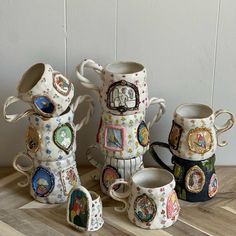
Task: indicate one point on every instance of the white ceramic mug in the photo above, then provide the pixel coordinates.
(84, 209)
(50, 182)
(55, 138)
(194, 134)
(123, 136)
(124, 89)
(150, 200)
(112, 168)
(47, 91)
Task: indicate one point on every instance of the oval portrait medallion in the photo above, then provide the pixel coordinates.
(213, 186)
(109, 175)
(64, 137)
(42, 182)
(172, 205)
(143, 134)
(32, 139)
(195, 179)
(61, 84)
(145, 208)
(44, 105)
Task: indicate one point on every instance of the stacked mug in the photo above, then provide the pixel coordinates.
(123, 134)
(192, 141)
(51, 134)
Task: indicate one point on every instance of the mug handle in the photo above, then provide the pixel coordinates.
(160, 102)
(88, 63)
(80, 100)
(221, 129)
(121, 197)
(91, 159)
(156, 157)
(15, 117)
(22, 169)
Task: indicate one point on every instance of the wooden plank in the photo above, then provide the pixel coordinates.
(8, 230)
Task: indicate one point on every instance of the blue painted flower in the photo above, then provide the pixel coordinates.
(48, 151)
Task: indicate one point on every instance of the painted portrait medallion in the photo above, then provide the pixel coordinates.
(195, 179)
(200, 140)
(213, 186)
(78, 208)
(64, 137)
(175, 135)
(109, 175)
(42, 182)
(44, 105)
(32, 139)
(69, 178)
(114, 138)
(145, 208)
(143, 134)
(61, 84)
(173, 207)
(123, 96)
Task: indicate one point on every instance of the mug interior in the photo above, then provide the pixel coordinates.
(31, 77)
(194, 111)
(94, 195)
(152, 178)
(124, 68)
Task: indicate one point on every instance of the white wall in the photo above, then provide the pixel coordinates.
(187, 46)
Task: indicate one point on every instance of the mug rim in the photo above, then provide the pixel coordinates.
(209, 111)
(155, 169)
(138, 65)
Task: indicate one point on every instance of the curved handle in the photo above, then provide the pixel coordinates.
(121, 197)
(80, 100)
(90, 158)
(22, 169)
(15, 117)
(88, 63)
(160, 102)
(156, 157)
(221, 129)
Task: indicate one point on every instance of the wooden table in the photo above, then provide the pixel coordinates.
(21, 215)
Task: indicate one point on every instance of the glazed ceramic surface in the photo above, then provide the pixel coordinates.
(50, 182)
(114, 168)
(47, 91)
(196, 181)
(124, 89)
(84, 209)
(152, 202)
(55, 138)
(194, 135)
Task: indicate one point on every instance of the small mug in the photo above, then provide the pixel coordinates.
(151, 201)
(50, 182)
(194, 134)
(196, 181)
(55, 138)
(114, 168)
(123, 136)
(84, 209)
(124, 89)
(48, 92)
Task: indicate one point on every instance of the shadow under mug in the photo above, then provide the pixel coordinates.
(50, 182)
(150, 201)
(196, 181)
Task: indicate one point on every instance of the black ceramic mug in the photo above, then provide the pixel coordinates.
(196, 181)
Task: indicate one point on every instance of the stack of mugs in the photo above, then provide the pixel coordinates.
(123, 134)
(51, 133)
(193, 139)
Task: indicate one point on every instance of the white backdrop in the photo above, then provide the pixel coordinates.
(187, 46)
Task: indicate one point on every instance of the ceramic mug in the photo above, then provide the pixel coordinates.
(84, 209)
(55, 138)
(47, 91)
(150, 200)
(124, 89)
(50, 182)
(196, 181)
(113, 168)
(194, 134)
(123, 136)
